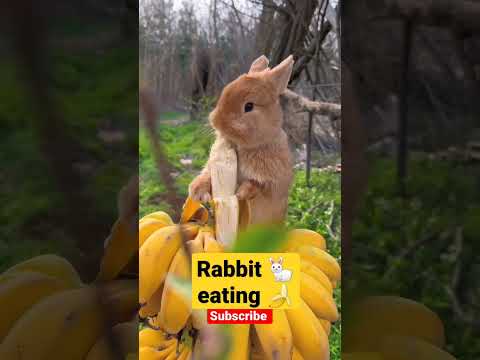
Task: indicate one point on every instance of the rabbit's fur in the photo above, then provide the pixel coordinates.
(265, 168)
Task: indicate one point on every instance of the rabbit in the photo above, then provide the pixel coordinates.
(278, 272)
(249, 117)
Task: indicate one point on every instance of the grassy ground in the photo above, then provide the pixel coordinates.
(93, 94)
(316, 207)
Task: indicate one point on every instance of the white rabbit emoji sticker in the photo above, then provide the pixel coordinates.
(281, 275)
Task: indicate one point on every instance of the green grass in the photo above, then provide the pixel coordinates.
(190, 140)
(316, 207)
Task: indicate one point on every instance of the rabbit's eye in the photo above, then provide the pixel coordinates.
(248, 107)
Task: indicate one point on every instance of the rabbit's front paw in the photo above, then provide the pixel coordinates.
(199, 189)
(248, 190)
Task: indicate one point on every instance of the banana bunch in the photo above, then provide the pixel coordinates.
(50, 314)
(157, 344)
(391, 327)
(173, 327)
(163, 261)
(302, 332)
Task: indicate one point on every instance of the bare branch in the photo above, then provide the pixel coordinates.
(316, 107)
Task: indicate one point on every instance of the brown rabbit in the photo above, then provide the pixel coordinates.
(248, 116)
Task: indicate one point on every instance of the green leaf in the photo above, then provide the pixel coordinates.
(260, 240)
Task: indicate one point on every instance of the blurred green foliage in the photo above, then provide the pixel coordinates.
(409, 247)
(92, 93)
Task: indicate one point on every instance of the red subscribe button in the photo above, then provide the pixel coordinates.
(239, 316)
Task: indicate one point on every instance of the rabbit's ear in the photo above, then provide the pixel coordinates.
(259, 64)
(280, 260)
(271, 261)
(280, 74)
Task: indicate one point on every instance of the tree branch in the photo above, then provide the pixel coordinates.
(315, 107)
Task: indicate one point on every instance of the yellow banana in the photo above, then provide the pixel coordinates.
(326, 325)
(158, 339)
(19, 292)
(240, 345)
(199, 317)
(125, 335)
(119, 298)
(303, 237)
(120, 248)
(276, 338)
(159, 215)
(197, 245)
(175, 309)
(296, 355)
(308, 335)
(322, 260)
(310, 269)
(172, 355)
(152, 307)
(65, 325)
(318, 299)
(51, 265)
(408, 347)
(211, 245)
(155, 257)
(375, 317)
(147, 228)
(186, 354)
(278, 302)
(149, 353)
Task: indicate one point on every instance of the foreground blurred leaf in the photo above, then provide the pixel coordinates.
(260, 240)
